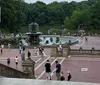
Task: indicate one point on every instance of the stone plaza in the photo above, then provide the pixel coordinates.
(83, 68)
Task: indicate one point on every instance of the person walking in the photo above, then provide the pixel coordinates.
(48, 70)
(8, 61)
(24, 48)
(2, 47)
(41, 51)
(20, 49)
(58, 69)
(29, 54)
(23, 56)
(16, 61)
(86, 39)
(69, 76)
(1, 50)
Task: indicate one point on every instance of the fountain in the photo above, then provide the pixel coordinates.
(35, 39)
(33, 34)
(57, 40)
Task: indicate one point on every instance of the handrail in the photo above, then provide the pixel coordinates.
(11, 72)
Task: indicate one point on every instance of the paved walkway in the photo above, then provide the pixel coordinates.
(14, 81)
(83, 69)
(92, 42)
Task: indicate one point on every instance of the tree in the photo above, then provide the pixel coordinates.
(17, 13)
(78, 17)
(95, 15)
(12, 15)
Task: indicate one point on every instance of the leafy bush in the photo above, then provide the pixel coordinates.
(12, 41)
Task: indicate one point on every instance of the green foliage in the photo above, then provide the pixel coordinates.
(95, 15)
(12, 41)
(16, 14)
(79, 19)
(12, 14)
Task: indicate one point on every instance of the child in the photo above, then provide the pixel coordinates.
(62, 78)
(69, 76)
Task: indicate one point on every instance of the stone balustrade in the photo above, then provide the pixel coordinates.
(11, 72)
(68, 51)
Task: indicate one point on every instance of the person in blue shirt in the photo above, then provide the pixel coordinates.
(58, 69)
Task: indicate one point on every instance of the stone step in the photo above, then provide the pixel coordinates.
(16, 81)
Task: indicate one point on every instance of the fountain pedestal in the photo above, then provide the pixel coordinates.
(33, 34)
(34, 38)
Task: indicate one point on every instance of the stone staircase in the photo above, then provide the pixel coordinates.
(6, 71)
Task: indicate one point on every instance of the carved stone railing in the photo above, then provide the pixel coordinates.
(68, 51)
(56, 53)
(11, 72)
(81, 51)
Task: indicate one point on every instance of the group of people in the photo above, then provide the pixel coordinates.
(40, 52)
(59, 74)
(16, 61)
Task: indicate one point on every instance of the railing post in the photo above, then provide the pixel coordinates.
(53, 51)
(68, 50)
(80, 50)
(92, 50)
(28, 67)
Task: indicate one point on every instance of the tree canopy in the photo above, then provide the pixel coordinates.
(17, 13)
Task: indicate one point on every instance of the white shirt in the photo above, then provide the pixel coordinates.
(2, 46)
(9, 45)
(16, 59)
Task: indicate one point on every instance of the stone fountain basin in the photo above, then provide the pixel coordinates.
(57, 40)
